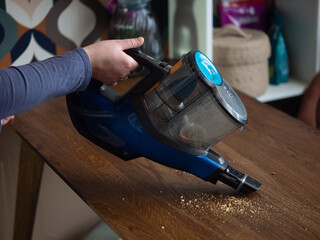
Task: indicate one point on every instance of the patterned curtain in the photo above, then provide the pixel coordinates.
(33, 30)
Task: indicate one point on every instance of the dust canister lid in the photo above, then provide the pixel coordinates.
(231, 102)
(207, 70)
(227, 98)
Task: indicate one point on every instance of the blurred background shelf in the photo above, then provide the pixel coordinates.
(301, 30)
(292, 88)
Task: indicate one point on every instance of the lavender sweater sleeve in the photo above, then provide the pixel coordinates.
(24, 87)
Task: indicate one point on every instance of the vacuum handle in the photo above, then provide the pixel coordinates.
(144, 59)
(158, 69)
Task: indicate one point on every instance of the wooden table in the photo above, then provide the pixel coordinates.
(140, 199)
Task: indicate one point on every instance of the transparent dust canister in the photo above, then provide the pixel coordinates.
(193, 105)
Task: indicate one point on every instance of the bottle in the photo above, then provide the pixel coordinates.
(185, 32)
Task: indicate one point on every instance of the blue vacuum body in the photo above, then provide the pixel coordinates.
(173, 116)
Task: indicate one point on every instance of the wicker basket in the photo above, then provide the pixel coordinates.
(241, 56)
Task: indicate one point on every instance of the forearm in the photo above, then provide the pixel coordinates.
(24, 87)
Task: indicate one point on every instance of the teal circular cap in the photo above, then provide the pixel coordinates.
(207, 69)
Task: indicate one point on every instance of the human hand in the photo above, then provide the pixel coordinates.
(6, 120)
(109, 62)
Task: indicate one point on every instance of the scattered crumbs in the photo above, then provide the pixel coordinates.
(123, 198)
(161, 191)
(225, 204)
(273, 173)
(162, 227)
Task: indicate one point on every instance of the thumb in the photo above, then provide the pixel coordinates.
(131, 43)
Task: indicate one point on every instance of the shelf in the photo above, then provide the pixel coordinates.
(292, 88)
(303, 43)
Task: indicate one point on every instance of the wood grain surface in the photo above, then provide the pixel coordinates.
(141, 199)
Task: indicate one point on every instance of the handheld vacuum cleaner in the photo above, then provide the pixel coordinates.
(173, 116)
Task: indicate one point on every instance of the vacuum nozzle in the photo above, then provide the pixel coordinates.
(238, 180)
